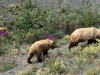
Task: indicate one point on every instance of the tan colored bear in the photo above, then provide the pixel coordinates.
(84, 34)
(3, 28)
(38, 48)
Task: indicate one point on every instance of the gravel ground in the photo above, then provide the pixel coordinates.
(23, 65)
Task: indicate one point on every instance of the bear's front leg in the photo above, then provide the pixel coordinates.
(45, 54)
(72, 44)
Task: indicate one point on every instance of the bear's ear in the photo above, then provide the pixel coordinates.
(53, 42)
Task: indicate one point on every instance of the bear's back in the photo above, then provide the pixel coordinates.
(84, 33)
(41, 44)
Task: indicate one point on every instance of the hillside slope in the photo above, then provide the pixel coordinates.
(22, 63)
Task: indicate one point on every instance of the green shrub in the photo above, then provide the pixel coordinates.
(4, 45)
(14, 8)
(93, 71)
(52, 66)
(63, 40)
(5, 67)
(26, 72)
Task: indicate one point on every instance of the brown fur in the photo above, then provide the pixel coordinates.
(38, 48)
(84, 34)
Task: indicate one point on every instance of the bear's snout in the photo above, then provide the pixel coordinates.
(52, 47)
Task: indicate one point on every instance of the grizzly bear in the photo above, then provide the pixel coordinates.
(3, 28)
(39, 47)
(84, 34)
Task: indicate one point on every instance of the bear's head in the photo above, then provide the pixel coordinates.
(98, 34)
(51, 43)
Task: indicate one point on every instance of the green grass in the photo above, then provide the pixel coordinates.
(64, 40)
(52, 66)
(26, 72)
(93, 71)
(7, 66)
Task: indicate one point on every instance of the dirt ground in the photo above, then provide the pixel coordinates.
(22, 56)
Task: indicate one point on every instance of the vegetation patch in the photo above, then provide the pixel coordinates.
(52, 66)
(7, 66)
(26, 72)
(31, 23)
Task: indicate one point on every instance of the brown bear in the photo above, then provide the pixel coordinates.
(84, 34)
(39, 47)
(3, 28)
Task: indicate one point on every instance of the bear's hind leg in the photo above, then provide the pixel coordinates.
(29, 58)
